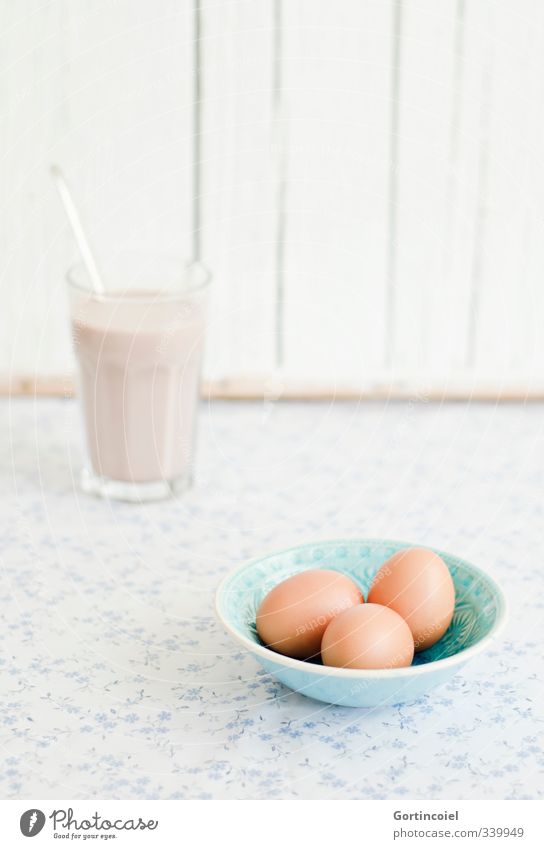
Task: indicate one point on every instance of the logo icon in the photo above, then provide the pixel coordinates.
(32, 822)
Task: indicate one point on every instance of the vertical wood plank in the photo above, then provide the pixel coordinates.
(33, 245)
(196, 159)
(129, 87)
(336, 90)
(506, 324)
(424, 335)
(530, 285)
(393, 187)
(279, 143)
(239, 185)
(452, 330)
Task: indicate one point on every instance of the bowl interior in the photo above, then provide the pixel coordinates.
(478, 601)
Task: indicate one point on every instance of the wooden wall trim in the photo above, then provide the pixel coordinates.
(260, 390)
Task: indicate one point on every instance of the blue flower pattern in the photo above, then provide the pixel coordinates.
(118, 682)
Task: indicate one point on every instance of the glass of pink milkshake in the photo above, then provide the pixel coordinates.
(139, 352)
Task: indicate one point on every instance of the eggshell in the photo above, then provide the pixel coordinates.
(368, 637)
(416, 583)
(292, 618)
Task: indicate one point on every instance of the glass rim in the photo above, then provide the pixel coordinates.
(160, 295)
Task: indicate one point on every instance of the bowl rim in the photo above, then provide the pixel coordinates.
(364, 674)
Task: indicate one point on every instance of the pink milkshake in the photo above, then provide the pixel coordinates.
(139, 354)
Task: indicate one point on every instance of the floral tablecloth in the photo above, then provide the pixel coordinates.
(116, 681)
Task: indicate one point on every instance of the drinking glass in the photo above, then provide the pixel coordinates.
(139, 351)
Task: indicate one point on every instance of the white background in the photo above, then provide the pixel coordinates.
(363, 178)
(307, 822)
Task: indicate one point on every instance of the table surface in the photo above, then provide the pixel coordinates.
(116, 679)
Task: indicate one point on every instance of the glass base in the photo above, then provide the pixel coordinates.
(133, 491)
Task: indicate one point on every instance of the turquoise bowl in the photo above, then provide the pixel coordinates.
(480, 613)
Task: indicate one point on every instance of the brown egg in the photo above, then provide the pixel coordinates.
(368, 637)
(417, 584)
(291, 619)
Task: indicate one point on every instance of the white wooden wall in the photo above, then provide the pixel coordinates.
(365, 179)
